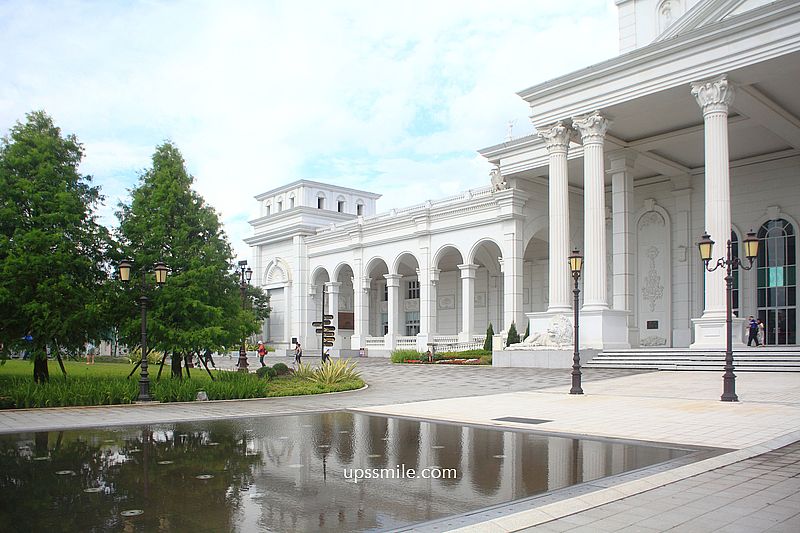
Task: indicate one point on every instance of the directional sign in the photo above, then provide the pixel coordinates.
(318, 330)
(328, 317)
(329, 328)
(316, 324)
(329, 344)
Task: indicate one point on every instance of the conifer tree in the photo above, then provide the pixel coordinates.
(199, 307)
(513, 336)
(487, 344)
(52, 248)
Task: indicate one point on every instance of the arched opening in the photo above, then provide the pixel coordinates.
(407, 266)
(319, 278)
(448, 294)
(489, 289)
(777, 282)
(346, 311)
(378, 298)
(535, 276)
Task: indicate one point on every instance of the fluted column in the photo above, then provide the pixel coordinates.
(556, 138)
(593, 130)
(467, 301)
(714, 97)
(393, 307)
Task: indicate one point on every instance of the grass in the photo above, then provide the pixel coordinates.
(401, 356)
(105, 384)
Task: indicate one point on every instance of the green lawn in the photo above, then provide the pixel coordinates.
(105, 384)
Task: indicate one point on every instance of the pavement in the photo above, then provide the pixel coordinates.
(753, 487)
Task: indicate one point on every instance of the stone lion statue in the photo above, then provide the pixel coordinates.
(497, 179)
(558, 333)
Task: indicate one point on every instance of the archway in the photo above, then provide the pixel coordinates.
(777, 281)
(345, 306)
(488, 297)
(448, 292)
(407, 266)
(378, 298)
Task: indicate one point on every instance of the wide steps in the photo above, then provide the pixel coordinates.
(782, 359)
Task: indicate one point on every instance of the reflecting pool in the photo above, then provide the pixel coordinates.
(335, 471)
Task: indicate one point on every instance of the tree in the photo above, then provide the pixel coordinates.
(487, 344)
(52, 249)
(199, 306)
(513, 336)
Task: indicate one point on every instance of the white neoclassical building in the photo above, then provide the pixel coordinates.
(695, 127)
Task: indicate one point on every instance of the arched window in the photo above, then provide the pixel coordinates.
(320, 201)
(777, 285)
(340, 204)
(360, 208)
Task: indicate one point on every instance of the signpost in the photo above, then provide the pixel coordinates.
(325, 328)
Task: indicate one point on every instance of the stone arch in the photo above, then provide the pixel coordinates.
(489, 285)
(277, 273)
(338, 269)
(443, 251)
(653, 300)
(319, 275)
(401, 261)
(376, 268)
(479, 246)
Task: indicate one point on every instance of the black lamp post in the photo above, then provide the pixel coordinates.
(161, 271)
(575, 265)
(706, 246)
(244, 280)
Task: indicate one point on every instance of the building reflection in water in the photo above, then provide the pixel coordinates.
(288, 473)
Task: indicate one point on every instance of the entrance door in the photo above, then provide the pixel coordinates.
(274, 324)
(777, 282)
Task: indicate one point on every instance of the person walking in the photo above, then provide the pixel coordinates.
(753, 331)
(90, 353)
(761, 333)
(298, 353)
(262, 351)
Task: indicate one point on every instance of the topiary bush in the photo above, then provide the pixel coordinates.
(266, 372)
(513, 336)
(487, 344)
(281, 369)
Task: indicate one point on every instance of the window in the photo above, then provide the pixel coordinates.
(360, 209)
(413, 290)
(320, 202)
(267, 209)
(412, 323)
(340, 206)
(385, 323)
(777, 282)
(385, 293)
(291, 202)
(280, 207)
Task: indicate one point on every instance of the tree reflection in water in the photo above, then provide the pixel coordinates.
(283, 473)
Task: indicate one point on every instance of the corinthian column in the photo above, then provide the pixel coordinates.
(556, 139)
(593, 128)
(714, 97)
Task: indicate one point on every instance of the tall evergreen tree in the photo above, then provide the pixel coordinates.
(487, 343)
(52, 248)
(199, 306)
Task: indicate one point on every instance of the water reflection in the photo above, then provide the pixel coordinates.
(284, 473)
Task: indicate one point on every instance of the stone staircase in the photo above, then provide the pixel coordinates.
(769, 359)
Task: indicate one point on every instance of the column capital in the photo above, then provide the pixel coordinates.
(713, 96)
(392, 280)
(366, 283)
(556, 137)
(468, 270)
(620, 160)
(435, 275)
(333, 286)
(592, 127)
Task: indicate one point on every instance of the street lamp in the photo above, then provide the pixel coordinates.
(244, 280)
(575, 265)
(160, 270)
(706, 246)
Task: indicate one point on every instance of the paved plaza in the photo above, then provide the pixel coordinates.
(754, 487)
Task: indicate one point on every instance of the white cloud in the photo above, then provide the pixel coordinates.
(386, 97)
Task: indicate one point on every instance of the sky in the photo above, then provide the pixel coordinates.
(393, 98)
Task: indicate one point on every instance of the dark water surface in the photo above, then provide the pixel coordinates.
(287, 473)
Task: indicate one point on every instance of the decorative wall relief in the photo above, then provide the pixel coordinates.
(480, 299)
(411, 305)
(653, 340)
(653, 278)
(652, 290)
(446, 301)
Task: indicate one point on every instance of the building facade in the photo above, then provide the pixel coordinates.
(694, 128)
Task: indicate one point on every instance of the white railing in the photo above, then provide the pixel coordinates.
(374, 342)
(449, 343)
(406, 343)
(445, 339)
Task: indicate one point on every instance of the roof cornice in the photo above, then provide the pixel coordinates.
(632, 64)
(317, 184)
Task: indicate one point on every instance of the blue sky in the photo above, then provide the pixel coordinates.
(395, 99)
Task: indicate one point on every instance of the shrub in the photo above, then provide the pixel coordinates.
(281, 369)
(304, 371)
(487, 344)
(335, 372)
(266, 372)
(401, 356)
(513, 336)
